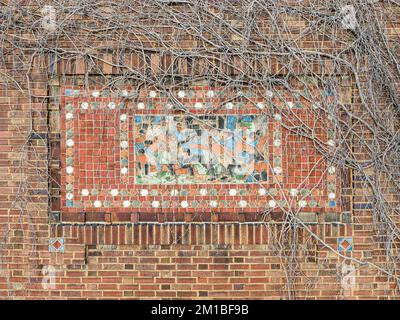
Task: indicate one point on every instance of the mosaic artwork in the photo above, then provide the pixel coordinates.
(203, 149)
(145, 155)
(56, 245)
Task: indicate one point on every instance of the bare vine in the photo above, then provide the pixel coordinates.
(262, 44)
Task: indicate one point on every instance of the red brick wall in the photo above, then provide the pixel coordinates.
(96, 146)
(205, 254)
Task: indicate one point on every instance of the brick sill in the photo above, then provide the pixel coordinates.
(204, 217)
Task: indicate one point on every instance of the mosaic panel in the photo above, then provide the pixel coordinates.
(210, 151)
(202, 149)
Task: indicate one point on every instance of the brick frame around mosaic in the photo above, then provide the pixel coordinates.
(94, 178)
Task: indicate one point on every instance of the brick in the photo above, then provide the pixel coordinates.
(173, 240)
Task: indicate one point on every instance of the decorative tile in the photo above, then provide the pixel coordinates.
(56, 245)
(345, 244)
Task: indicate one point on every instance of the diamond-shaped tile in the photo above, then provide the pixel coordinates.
(56, 245)
(345, 244)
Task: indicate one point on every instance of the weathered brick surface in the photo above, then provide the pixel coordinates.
(150, 254)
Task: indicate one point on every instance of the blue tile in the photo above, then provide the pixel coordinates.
(345, 244)
(56, 245)
(70, 204)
